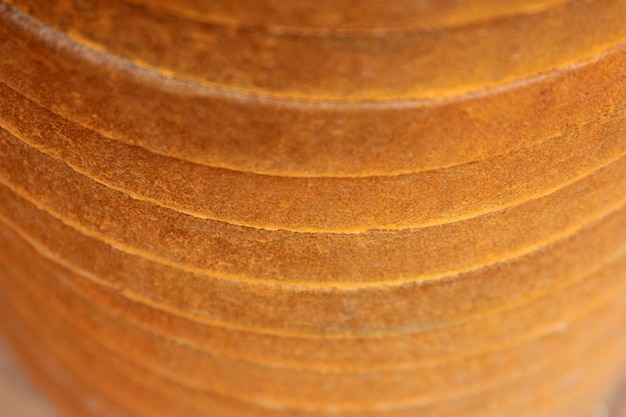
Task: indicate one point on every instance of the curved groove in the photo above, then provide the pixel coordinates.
(335, 32)
(168, 375)
(61, 231)
(386, 406)
(47, 373)
(194, 347)
(45, 252)
(88, 353)
(96, 55)
(54, 379)
(65, 48)
(190, 152)
(353, 231)
(246, 94)
(360, 333)
(492, 212)
(297, 284)
(553, 328)
(390, 175)
(133, 379)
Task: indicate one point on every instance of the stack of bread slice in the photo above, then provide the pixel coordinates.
(315, 208)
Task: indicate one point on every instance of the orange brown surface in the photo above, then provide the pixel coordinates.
(253, 209)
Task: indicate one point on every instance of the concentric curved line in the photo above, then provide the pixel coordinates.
(66, 47)
(394, 405)
(54, 377)
(90, 52)
(46, 371)
(230, 222)
(335, 32)
(49, 254)
(294, 176)
(16, 189)
(194, 347)
(197, 319)
(158, 335)
(302, 284)
(163, 374)
(78, 269)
